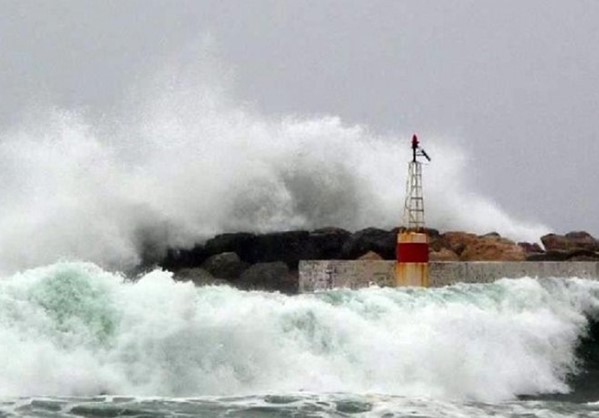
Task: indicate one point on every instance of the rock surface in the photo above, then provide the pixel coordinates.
(492, 248)
(444, 254)
(240, 243)
(370, 239)
(370, 255)
(457, 241)
(287, 246)
(269, 276)
(549, 256)
(572, 241)
(583, 255)
(225, 266)
(471, 247)
(531, 248)
(328, 242)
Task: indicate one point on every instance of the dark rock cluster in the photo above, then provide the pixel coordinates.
(574, 246)
(270, 261)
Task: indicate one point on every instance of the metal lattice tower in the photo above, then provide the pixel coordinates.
(414, 204)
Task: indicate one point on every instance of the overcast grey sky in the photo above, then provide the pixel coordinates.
(514, 82)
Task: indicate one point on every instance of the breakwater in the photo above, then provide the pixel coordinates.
(271, 261)
(327, 274)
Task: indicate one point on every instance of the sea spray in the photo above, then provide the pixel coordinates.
(157, 337)
(184, 161)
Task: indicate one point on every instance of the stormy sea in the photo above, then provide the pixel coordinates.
(77, 340)
(181, 160)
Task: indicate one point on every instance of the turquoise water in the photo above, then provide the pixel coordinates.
(76, 340)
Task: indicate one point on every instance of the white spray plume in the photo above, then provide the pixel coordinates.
(183, 161)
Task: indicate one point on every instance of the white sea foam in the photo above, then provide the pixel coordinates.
(74, 329)
(184, 161)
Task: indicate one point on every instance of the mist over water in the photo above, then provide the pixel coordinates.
(182, 160)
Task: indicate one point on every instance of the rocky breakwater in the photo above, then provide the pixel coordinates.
(270, 261)
(574, 246)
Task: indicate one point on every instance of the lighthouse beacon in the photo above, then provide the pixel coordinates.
(411, 268)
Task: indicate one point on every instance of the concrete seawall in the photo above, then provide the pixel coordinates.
(326, 274)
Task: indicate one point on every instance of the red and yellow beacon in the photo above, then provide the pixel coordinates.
(411, 268)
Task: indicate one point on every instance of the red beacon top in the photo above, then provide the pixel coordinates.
(417, 151)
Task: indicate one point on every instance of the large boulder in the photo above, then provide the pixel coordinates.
(269, 276)
(470, 247)
(492, 248)
(199, 277)
(457, 241)
(370, 239)
(225, 266)
(572, 241)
